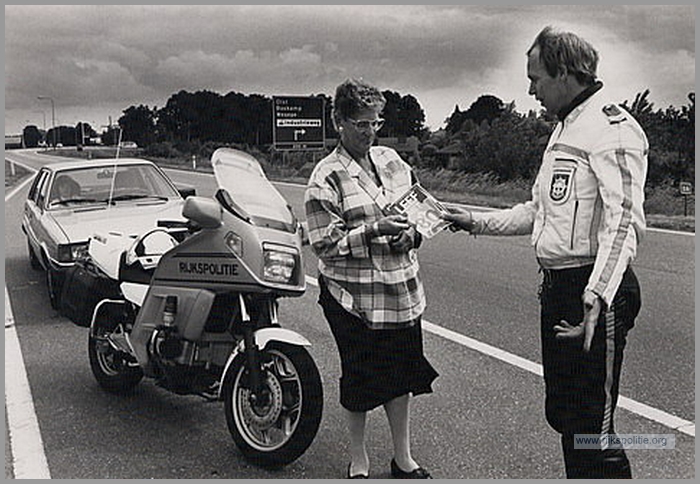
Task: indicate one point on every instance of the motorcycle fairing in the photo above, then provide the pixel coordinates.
(241, 176)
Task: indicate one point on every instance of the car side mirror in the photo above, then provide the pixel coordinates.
(205, 212)
(186, 190)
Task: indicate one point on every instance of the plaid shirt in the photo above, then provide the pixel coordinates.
(363, 274)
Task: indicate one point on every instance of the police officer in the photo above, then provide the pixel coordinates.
(586, 219)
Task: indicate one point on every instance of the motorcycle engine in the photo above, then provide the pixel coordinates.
(165, 344)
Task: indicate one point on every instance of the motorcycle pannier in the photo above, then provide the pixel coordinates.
(84, 287)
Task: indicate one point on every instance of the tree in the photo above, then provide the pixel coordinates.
(110, 136)
(328, 116)
(390, 114)
(63, 134)
(31, 136)
(179, 116)
(83, 133)
(641, 108)
(260, 118)
(509, 147)
(411, 117)
(454, 123)
(138, 124)
(403, 116)
(485, 108)
(671, 135)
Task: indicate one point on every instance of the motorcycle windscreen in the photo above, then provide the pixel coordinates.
(243, 178)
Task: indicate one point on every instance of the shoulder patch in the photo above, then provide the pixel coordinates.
(615, 114)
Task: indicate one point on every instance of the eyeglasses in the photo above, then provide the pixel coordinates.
(365, 124)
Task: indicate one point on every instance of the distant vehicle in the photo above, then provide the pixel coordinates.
(59, 145)
(128, 144)
(13, 141)
(69, 201)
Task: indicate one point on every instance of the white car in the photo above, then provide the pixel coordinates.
(69, 202)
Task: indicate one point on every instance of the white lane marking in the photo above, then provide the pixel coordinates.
(28, 458)
(633, 406)
(27, 448)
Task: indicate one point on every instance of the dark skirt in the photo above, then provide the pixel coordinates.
(377, 365)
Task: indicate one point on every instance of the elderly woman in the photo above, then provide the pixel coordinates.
(370, 289)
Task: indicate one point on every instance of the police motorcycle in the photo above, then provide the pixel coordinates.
(200, 316)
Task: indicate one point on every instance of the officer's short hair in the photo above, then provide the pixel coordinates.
(566, 51)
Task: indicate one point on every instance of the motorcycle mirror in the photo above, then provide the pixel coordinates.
(149, 247)
(205, 212)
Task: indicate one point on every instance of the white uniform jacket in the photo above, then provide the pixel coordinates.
(587, 199)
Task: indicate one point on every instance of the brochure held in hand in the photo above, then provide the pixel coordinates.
(422, 209)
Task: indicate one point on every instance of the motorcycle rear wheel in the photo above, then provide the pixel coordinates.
(114, 370)
(276, 432)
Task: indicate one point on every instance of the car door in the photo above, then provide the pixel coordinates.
(34, 210)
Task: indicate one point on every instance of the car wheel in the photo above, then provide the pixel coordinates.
(33, 259)
(53, 283)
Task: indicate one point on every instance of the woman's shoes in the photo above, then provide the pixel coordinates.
(418, 473)
(356, 476)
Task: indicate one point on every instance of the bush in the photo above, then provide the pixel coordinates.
(665, 199)
(162, 149)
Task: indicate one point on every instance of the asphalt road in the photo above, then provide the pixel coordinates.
(484, 419)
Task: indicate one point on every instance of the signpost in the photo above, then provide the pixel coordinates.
(686, 189)
(298, 123)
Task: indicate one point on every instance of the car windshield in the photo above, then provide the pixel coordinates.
(102, 184)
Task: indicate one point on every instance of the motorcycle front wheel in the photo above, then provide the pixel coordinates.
(276, 429)
(115, 370)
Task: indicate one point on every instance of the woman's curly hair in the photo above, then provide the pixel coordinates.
(354, 95)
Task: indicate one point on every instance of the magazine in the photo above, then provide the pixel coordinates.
(422, 209)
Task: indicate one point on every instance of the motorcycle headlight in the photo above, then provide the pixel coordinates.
(72, 252)
(279, 262)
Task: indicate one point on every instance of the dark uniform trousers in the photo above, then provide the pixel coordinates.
(582, 388)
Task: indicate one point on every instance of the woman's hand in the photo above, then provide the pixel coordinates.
(390, 225)
(404, 241)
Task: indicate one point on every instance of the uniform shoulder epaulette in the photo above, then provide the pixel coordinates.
(614, 113)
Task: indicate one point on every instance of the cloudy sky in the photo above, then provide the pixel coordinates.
(96, 61)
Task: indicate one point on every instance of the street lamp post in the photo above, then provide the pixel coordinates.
(53, 117)
(43, 115)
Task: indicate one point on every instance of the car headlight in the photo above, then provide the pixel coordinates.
(279, 262)
(72, 252)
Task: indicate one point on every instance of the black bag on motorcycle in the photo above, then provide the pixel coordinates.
(83, 288)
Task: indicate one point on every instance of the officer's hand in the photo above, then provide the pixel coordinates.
(592, 305)
(460, 218)
(391, 225)
(565, 332)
